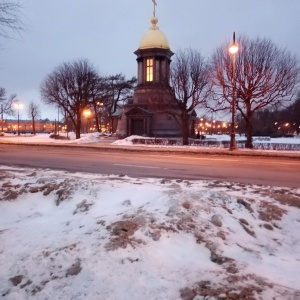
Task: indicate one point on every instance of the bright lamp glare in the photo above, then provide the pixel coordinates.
(18, 105)
(87, 112)
(234, 48)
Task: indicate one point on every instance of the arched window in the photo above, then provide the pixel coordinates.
(149, 69)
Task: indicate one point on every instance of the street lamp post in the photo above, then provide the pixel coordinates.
(2, 120)
(233, 49)
(18, 105)
(18, 123)
(58, 120)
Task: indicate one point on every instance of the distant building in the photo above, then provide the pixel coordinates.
(152, 111)
(25, 126)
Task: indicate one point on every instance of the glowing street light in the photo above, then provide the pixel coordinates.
(18, 106)
(87, 113)
(233, 49)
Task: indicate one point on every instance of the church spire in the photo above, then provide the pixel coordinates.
(154, 8)
(154, 38)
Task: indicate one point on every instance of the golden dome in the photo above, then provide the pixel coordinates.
(154, 38)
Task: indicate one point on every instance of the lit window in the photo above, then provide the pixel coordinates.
(149, 69)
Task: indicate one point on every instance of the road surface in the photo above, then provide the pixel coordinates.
(243, 169)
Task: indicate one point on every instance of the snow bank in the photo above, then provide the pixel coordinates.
(82, 236)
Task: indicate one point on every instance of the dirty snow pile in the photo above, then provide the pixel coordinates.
(82, 236)
(69, 138)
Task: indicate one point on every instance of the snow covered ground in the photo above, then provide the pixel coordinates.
(83, 236)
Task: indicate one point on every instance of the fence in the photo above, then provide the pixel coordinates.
(216, 144)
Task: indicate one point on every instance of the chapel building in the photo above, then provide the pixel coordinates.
(152, 111)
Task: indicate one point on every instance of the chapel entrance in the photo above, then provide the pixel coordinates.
(137, 127)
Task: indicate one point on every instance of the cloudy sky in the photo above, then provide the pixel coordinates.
(108, 32)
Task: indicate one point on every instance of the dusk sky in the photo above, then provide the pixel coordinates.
(108, 32)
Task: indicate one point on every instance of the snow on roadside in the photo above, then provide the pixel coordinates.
(83, 236)
(45, 138)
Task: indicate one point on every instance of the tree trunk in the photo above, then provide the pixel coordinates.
(249, 128)
(78, 126)
(97, 122)
(33, 126)
(96, 117)
(185, 127)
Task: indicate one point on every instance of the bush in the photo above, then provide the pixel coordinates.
(58, 137)
(156, 141)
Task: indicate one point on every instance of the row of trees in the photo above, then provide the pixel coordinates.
(76, 86)
(9, 106)
(275, 122)
(265, 77)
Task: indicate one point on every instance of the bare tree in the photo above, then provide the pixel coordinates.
(10, 18)
(110, 95)
(264, 76)
(6, 104)
(34, 112)
(97, 101)
(72, 87)
(117, 90)
(189, 84)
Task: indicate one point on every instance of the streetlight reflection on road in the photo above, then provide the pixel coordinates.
(233, 49)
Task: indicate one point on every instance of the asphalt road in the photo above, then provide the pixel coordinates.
(244, 169)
